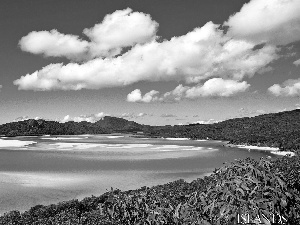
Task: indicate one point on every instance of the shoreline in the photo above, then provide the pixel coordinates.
(272, 150)
(21, 143)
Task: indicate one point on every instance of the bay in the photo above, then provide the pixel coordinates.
(49, 169)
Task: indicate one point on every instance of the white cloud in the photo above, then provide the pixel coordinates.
(210, 121)
(288, 88)
(89, 118)
(201, 54)
(52, 43)
(127, 115)
(176, 95)
(136, 96)
(66, 119)
(217, 87)
(133, 115)
(297, 62)
(271, 21)
(142, 114)
(21, 118)
(120, 29)
(297, 106)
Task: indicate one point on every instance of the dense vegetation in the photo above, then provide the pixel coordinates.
(274, 130)
(41, 127)
(266, 190)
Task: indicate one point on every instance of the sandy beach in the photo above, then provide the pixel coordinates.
(275, 151)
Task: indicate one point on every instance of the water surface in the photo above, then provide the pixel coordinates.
(44, 170)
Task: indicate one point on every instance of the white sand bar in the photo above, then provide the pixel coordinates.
(14, 143)
(113, 136)
(275, 151)
(257, 147)
(177, 139)
(62, 138)
(283, 153)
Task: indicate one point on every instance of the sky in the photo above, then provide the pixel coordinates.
(155, 62)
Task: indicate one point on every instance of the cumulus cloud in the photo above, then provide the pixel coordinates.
(290, 87)
(133, 115)
(201, 54)
(127, 115)
(210, 121)
(21, 118)
(88, 118)
(297, 62)
(177, 94)
(269, 21)
(136, 96)
(52, 43)
(217, 87)
(142, 115)
(66, 119)
(120, 29)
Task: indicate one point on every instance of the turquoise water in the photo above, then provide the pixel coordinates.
(60, 168)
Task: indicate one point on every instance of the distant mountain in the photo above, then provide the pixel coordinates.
(119, 124)
(41, 127)
(274, 130)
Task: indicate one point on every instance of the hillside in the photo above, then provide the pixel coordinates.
(274, 130)
(41, 127)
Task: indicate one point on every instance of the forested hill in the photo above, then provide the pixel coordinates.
(274, 130)
(40, 127)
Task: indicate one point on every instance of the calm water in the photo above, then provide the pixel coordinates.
(59, 168)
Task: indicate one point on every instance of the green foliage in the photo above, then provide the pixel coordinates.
(241, 187)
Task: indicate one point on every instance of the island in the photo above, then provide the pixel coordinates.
(241, 192)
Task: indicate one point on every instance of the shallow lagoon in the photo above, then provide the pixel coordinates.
(49, 169)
